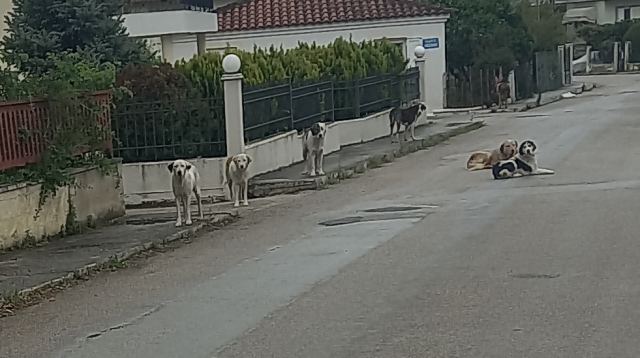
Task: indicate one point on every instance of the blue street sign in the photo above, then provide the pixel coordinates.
(430, 43)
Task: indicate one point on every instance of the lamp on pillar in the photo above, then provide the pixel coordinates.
(420, 52)
(233, 115)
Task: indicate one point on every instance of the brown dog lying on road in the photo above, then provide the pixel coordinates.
(486, 159)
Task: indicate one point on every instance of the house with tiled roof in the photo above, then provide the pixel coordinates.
(244, 24)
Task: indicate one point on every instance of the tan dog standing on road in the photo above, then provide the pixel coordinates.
(185, 181)
(504, 92)
(487, 159)
(237, 178)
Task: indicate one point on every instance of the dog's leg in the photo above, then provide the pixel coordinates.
(413, 130)
(245, 193)
(305, 157)
(320, 158)
(391, 124)
(236, 194)
(541, 171)
(313, 158)
(187, 209)
(198, 195)
(178, 204)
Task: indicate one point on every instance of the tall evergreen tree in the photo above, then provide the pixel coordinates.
(38, 28)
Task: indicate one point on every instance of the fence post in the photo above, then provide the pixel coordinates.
(512, 85)
(293, 123)
(421, 62)
(587, 67)
(356, 98)
(616, 56)
(627, 53)
(233, 115)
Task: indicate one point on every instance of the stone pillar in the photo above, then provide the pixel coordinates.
(616, 56)
(627, 53)
(512, 85)
(422, 70)
(569, 54)
(561, 54)
(587, 67)
(233, 115)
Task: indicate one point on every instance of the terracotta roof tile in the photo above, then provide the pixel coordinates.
(266, 14)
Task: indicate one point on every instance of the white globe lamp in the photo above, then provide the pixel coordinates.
(231, 63)
(419, 52)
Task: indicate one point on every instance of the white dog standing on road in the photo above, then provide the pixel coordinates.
(185, 181)
(313, 148)
(237, 177)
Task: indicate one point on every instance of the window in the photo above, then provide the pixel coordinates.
(627, 14)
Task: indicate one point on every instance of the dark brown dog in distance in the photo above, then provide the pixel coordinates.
(406, 117)
(504, 93)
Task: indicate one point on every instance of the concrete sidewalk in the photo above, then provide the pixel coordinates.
(67, 258)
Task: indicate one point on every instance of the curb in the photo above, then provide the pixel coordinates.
(586, 87)
(270, 187)
(218, 219)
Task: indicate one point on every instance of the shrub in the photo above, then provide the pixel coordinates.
(163, 116)
(633, 35)
(340, 60)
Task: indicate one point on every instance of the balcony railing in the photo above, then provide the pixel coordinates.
(137, 6)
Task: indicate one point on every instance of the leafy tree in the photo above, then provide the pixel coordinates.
(485, 33)
(68, 75)
(603, 36)
(633, 35)
(544, 25)
(38, 28)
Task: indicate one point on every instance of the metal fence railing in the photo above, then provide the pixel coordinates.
(548, 71)
(167, 130)
(474, 87)
(27, 128)
(283, 107)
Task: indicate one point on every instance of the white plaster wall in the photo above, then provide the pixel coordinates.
(410, 29)
(607, 10)
(158, 23)
(5, 7)
(151, 182)
(94, 195)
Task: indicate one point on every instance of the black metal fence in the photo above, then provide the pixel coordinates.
(194, 127)
(548, 71)
(167, 130)
(474, 87)
(525, 80)
(283, 107)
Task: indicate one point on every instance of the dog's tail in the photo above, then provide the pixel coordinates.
(227, 181)
(477, 161)
(305, 150)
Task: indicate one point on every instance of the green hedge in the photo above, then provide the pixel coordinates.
(338, 61)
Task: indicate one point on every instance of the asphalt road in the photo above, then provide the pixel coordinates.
(447, 264)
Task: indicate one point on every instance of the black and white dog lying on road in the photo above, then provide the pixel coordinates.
(407, 117)
(524, 163)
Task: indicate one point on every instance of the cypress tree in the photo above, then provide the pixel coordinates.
(38, 28)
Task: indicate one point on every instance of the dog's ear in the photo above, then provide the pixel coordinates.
(502, 148)
(249, 160)
(170, 167)
(188, 166)
(521, 148)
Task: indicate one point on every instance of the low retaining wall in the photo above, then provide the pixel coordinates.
(93, 199)
(149, 182)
